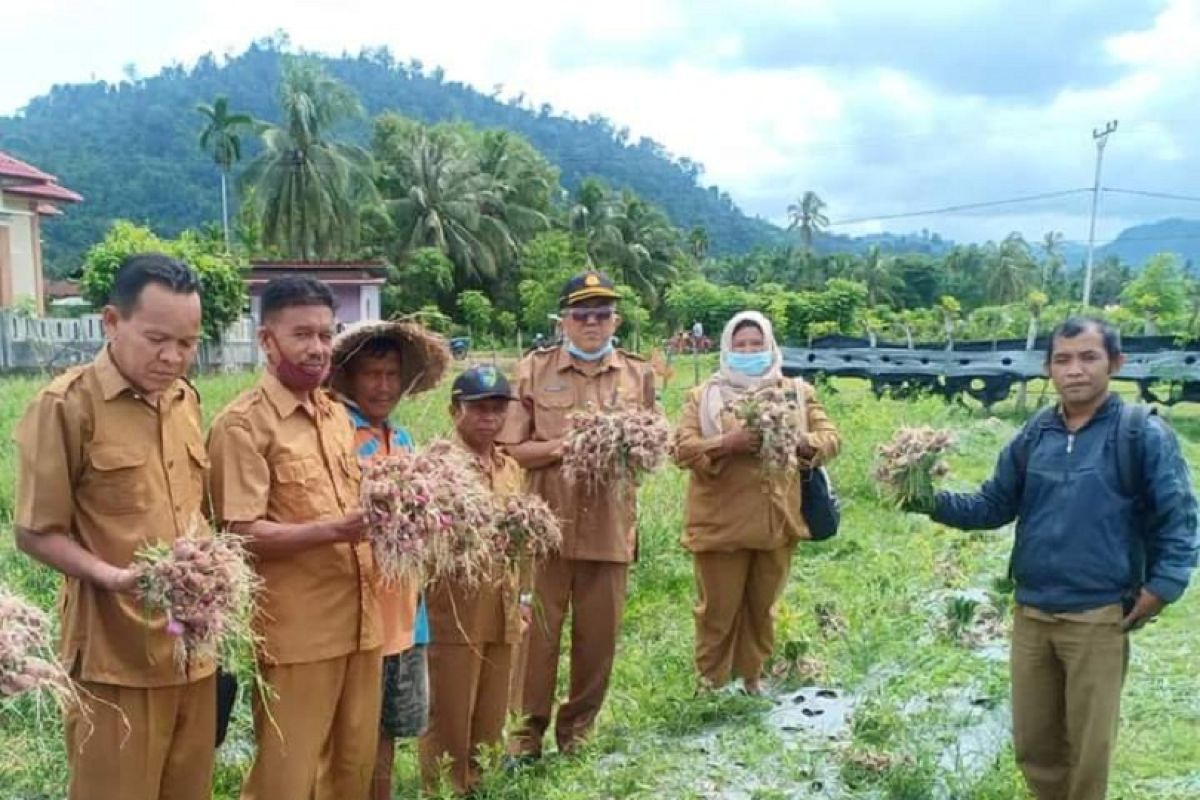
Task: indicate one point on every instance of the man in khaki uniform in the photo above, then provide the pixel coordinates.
(285, 475)
(473, 630)
(112, 458)
(599, 526)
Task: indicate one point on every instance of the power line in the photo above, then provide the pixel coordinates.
(1123, 239)
(1163, 195)
(961, 207)
(1011, 201)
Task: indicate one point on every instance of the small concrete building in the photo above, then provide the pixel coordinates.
(27, 196)
(356, 285)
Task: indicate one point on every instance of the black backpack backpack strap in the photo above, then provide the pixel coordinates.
(1131, 447)
(1131, 474)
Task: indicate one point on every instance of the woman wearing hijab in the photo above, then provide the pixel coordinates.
(742, 524)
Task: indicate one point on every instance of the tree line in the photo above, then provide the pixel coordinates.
(479, 232)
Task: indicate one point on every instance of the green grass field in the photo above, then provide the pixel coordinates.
(876, 614)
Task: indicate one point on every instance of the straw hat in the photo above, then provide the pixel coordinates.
(424, 356)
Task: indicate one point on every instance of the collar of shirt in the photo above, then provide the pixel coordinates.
(363, 427)
(565, 362)
(487, 464)
(284, 400)
(1059, 417)
(113, 383)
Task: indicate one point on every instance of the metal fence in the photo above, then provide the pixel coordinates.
(1164, 370)
(31, 344)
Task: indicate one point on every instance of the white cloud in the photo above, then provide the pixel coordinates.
(862, 103)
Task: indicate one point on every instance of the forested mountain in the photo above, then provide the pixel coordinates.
(1135, 245)
(131, 148)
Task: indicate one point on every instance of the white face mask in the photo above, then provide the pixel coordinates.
(753, 365)
(583, 355)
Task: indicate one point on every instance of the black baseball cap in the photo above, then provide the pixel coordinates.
(587, 286)
(479, 383)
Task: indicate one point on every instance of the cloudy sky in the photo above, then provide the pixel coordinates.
(881, 107)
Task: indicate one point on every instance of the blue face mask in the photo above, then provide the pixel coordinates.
(753, 364)
(585, 356)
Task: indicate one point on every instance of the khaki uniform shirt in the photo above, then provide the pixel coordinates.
(731, 504)
(490, 612)
(274, 459)
(597, 525)
(101, 464)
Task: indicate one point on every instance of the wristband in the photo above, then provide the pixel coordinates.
(526, 598)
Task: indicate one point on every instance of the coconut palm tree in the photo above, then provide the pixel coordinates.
(876, 272)
(1051, 246)
(628, 235)
(806, 215)
(1012, 268)
(308, 186)
(435, 195)
(220, 139)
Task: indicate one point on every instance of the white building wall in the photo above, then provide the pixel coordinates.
(369, 303)
(21, 245)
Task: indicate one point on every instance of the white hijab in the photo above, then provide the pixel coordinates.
(727, 384)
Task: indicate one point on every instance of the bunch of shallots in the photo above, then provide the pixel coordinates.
(775, 413)
(428, 514)
(616, 446)
(26, 663)
(525, 525)
(909, 463)
(208, 591)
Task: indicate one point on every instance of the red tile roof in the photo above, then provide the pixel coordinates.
(16, 168)
(335, 277)
(309, 266)
(32, 182)
(59, 289)
(49, 210)
(45, 191)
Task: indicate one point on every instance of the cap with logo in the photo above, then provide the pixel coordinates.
(479, 383)
(587, 286)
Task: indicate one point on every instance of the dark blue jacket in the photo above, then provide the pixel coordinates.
(1081, 543)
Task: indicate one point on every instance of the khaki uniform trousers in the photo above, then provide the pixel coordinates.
(594, 594)
(1067, 674)
(468, 704)
(735, 611)
(320, 737)
(143, 744)
(516, 677)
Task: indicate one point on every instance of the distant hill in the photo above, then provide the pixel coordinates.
(1137, 244)
(130, 148)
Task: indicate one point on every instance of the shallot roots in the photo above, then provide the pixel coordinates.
(616, 446)
(908, 465)
(207, 589)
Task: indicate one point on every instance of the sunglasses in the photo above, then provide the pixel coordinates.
(585, 314)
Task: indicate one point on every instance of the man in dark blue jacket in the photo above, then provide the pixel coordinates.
(1091, 561)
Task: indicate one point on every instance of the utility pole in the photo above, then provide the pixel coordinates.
(1101, 138)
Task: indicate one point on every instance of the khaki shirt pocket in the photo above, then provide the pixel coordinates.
(551, 413)
(298, 489)
(118, 480)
